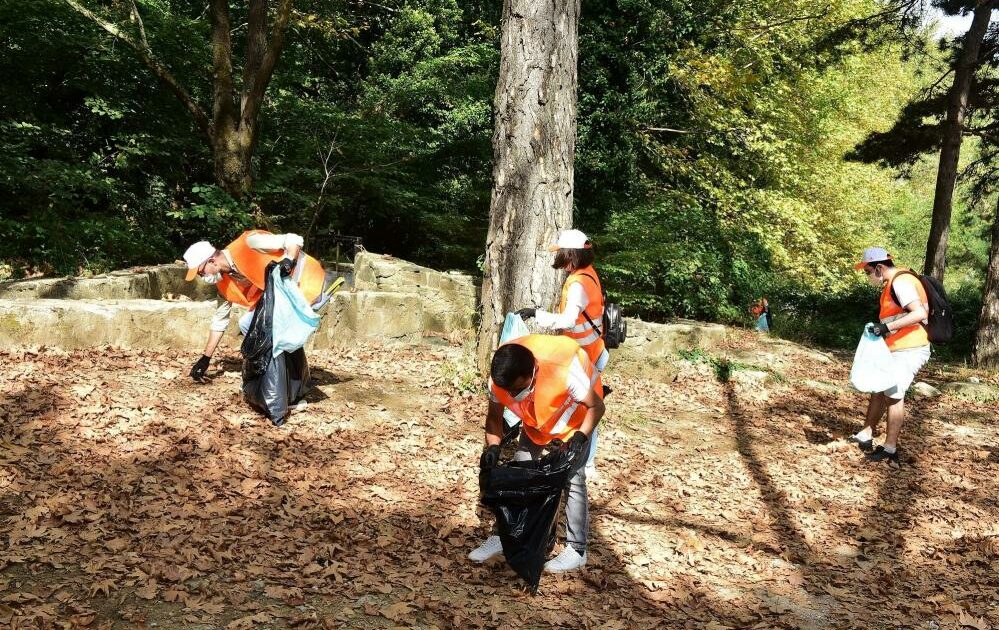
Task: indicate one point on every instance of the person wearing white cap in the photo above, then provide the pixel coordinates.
(904, 308)
(238, 271)
(581, 308)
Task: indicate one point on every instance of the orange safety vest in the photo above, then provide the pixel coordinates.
(912, 336)
(252, 265)
(549, 412)
(582, 332)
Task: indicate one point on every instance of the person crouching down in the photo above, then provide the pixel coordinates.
(238, 272)
(550, 384)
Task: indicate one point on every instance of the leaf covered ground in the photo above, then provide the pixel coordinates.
(726, 498)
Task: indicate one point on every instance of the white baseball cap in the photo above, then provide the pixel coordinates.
(195, 255)
(570, 239)
(873, 254)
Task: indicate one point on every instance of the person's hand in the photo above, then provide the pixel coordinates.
(286, 265)
(490, 457)
(199, 369)
(526, 313)
(578, 444)
(880, 329)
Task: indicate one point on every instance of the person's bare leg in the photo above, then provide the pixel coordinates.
(875, 411)
(896, 414)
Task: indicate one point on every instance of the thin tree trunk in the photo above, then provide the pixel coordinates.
(987, 336)
(950, 151)
(534, 144)
(231, 131)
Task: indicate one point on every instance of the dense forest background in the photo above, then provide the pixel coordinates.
(716, 155)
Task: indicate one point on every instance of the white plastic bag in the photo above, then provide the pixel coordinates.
(873, 368)
(294, 319)
(513, 328)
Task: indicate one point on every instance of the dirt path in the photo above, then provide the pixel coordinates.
(131, 497)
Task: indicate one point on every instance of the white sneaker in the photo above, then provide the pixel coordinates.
(568, 560)
(491, 548)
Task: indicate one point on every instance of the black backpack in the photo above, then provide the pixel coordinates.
(940, 321)
(613, 328)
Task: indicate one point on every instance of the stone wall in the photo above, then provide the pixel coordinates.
(140, 283)
(393, 300)
(447, 300)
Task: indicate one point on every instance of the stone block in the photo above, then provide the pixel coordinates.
(70, 324)
(648, 339)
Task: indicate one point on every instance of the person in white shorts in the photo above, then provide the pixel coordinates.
(904, 308)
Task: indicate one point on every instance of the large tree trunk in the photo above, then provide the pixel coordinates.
(950, 151)
(232, 154)
(534, 144)
(987, 336)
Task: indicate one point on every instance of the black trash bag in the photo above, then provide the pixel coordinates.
(271, 384)
(525, 497)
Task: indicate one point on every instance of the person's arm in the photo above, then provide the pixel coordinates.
(916, 315)
(290, 244)
(494, 424)
(575, 302)
(594, 412)
(220, 322)
(908, 297)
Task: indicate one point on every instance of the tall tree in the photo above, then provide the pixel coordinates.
(232, 128)
(534, 143)
(953, 131)
(986, 352)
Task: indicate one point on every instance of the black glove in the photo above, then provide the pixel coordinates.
(286, 265)
(490, 457)
(526, 313)
(199, 369)
(879, 329)
(578, 445)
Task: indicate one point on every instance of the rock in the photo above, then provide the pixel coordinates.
(923, 390)
(147, 283)
(448, 300)
(70, 324)
(823, 387)
(647, 339)
(750, 379)
(975, 392)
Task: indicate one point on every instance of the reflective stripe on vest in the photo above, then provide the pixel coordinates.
(912, 336)
(252, 265)
(550, 412)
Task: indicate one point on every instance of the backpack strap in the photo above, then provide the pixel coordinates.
(595, 327)
(894, 298)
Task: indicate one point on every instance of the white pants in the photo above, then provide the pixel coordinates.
(907, 363)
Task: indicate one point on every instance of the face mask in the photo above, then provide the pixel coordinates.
(875, 278)
(524, 394)
(212, 279)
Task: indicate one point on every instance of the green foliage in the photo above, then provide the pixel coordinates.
(709, 167)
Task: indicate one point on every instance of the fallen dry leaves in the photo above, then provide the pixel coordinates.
(131, 496)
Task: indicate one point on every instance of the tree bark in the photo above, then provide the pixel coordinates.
(950, 150)
(534, 143)
(986, 352)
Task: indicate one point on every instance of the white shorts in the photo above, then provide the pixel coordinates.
(907, 363)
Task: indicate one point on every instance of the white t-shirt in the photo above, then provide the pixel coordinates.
(905, 289)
